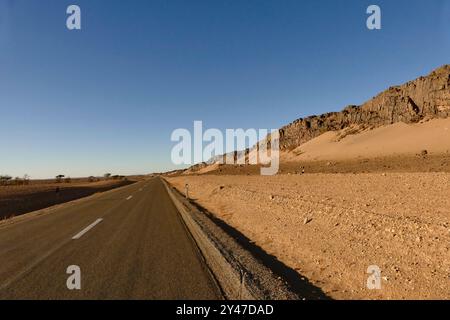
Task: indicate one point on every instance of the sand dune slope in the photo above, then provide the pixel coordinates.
(395, 139)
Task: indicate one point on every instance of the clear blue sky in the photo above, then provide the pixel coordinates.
(107, 98)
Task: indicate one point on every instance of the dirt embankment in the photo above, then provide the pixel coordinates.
(18, 200)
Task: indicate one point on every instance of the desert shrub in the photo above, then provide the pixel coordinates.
(4, 180)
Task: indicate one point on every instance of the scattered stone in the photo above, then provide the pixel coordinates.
(307, 220)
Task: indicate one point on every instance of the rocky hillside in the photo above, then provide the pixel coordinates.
(421, 99)
(424, 98)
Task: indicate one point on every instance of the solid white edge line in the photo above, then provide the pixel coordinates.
(79, 235)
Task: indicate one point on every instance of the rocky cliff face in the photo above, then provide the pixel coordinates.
(424, 98)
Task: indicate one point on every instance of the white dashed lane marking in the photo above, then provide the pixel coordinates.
(79, 235)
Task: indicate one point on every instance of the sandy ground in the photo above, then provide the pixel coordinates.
(345, 201)
(332, 227)
(395, 139)
(18, 200)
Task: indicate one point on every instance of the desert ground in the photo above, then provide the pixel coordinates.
(343, 202)
(16, 200)
(396, 139)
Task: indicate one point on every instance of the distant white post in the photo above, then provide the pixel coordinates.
(186, 191)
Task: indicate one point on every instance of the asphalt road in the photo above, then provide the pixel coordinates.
(129, 243)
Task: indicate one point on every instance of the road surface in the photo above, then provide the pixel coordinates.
(128, 243)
